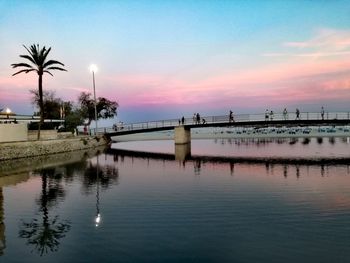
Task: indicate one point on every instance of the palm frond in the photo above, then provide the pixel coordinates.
(52, 62)
(28, 57)
(56, 68)
(32, 52)
(41, 55)
(45, 54)
(24, 70)
(38, 57)
(16, 65)
(45, 71)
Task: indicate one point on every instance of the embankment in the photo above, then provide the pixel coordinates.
(24, 149)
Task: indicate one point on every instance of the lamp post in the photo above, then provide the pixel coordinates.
(93, 69)
(8, 112)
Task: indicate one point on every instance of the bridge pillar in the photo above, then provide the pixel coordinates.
(182, 135)
(182, 151)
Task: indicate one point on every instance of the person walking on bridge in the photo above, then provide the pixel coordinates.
(198, 118)
(266, 115)
(297, 113)
(231, 116)
(285, 114)
(322, 113)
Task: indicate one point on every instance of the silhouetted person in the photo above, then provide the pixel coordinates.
(231, 116)
(183, 120)
(285, 114)
(297, 113)
(198, 118)
(271, 115)
(266, 115)
(322, 113)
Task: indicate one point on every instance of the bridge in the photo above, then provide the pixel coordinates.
(182, 129)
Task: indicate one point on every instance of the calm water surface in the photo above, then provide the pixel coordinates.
(158, 209)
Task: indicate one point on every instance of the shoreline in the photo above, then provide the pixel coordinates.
(27, 149)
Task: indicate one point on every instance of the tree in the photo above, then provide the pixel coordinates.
(104, 107)
(51, 104)
(56, 108)
(39, 64)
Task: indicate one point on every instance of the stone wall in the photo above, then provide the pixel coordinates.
(12, 132)
(13, 150)
(44, 135)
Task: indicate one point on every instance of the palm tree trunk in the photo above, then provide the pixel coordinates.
(41, 104)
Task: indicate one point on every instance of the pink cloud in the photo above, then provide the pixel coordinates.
(291, 81)
(325, 39)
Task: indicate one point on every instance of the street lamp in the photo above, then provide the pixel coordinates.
(93, 69)
(8, 112)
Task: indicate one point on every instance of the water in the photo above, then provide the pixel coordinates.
(154, 208)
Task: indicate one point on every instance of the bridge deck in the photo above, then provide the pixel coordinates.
(243, 120)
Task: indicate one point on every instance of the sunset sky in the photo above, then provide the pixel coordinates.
(164, 59)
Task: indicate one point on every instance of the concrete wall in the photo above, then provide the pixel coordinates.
(44, 135)
(14, 150)
(11, 132)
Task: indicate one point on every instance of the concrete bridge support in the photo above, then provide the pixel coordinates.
(182, 151)
(182, 137)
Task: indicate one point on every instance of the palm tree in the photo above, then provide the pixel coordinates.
(40, 65)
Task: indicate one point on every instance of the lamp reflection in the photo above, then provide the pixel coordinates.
(98, 215)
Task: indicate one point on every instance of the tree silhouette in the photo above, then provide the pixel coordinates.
(39, 64)
(105, 108)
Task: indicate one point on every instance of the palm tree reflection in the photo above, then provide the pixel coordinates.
(45, 234)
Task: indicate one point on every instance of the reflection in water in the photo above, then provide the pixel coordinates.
(306, 141)
(177, 210)
(271, 164)
(102, 175)
(197, 167)
(182, 151)
(6, 181)
(45, 234)
(98, 215)
(2, 224)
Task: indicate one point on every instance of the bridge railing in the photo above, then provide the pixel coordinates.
(225, 118)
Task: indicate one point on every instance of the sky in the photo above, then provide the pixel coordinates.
(167, 59)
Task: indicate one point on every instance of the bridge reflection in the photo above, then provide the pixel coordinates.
(119, 153)
(273, 166)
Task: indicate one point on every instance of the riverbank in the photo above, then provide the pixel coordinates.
(25, 165)
(25, 149)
